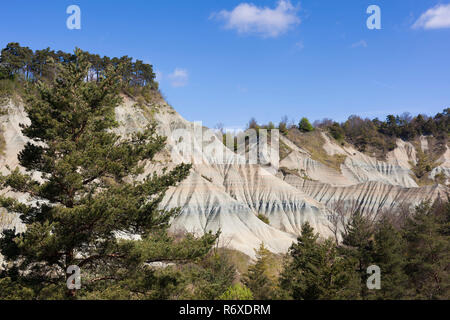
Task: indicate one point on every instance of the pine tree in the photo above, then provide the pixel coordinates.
(389, 255)
(358, 246)
(428, 252)
(259, 278)
(92, 207)
(316, 271)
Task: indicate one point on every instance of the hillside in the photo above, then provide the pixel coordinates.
(317, 177)
(326, 170)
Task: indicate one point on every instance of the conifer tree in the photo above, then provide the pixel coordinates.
(358, 246)
(389, 255)
(428, 252)
(259, 278)
(91, 206)
(316, 271)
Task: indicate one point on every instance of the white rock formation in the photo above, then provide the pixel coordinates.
(224, 192)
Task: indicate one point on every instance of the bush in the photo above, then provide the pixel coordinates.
(305, 126)
(336, 131)
(237, 292)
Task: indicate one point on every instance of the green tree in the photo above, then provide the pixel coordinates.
(389, 255)
(305, 126)
(91, 208)
(41, 65)
(17, 60)
(428, 252)
(315, 270)
(260, 277)
(211, 277)
(358, 246)
(336, 131)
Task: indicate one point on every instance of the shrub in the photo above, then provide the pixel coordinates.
(263, 218)
(305, 126)
(237, 292)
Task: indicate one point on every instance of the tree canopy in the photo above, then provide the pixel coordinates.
(92, 207)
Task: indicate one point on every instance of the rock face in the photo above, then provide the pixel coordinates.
(224, 191)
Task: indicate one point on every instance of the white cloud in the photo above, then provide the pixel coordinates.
(361, 43)
(248, 18)
(179, 77)
(434, 18)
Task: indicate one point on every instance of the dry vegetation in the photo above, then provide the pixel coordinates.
(5, 219)
(313, 142)
(427, 160)
(2, 138)
(2, 143)
(284, 150)
(239, 259)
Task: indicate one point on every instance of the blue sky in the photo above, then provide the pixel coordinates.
(228, 61)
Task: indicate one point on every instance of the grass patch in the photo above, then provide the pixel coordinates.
(2, 143)
(263, 218)
(148, 111)
(313, 142)
(5, 219)
(241, 261)
(301, 174)
(2, 137)
(11, 89)
(284, 150)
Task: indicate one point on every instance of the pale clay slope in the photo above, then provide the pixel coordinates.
(357, 168)
(227, 195)
(444, 167)
(364, 182)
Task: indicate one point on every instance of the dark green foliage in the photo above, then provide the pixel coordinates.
(23, 63)
(16, 61)
(428, 251)
(315, 271)
(211, 277)
(389, 255)
(86, 198)
(358, 245)
(414, 260)
(336, 131)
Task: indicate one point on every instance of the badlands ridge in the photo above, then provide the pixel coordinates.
(229, 195)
